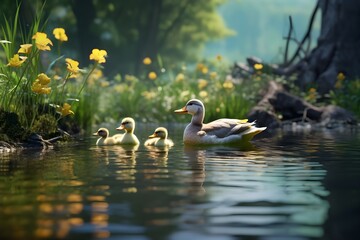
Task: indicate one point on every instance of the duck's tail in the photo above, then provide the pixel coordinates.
(251, 132)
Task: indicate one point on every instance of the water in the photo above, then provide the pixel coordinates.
(293, 185)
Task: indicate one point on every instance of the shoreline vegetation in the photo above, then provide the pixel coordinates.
(47, 96)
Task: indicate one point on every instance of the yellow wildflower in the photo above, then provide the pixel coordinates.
(60, 34)
(204, 70)
(120, 88)
(180, 77)
(72, 65)
(213, 75)
(203, 94)
(152, 75)
(228, 84)
(42, 41)
(148, 95)
(39, 88)
(16, 61)
(339, 79)
(98, 55)
(104, 84)
(43, 79)
(202, 83)
(147, 61)
(219, 58)
(258, 66)
(65, 110)
(25, 48)
(312, 94)
(200, 66)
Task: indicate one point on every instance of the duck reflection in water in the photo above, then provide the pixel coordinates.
(196, 158)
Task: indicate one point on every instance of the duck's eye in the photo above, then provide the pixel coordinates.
(157, 132)
(125, 123)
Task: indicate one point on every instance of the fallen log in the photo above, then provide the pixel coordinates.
(279, 107)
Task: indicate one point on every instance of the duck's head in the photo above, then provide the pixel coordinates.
(127, 124)
(102, 132)
(160, 132)
(192, 107)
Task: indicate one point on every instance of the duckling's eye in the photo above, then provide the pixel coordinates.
(157, 132)
(125, 123)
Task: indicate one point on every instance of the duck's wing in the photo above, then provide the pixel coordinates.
(225, 126)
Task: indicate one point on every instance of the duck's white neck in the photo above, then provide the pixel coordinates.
(198, 117)
(129, 131)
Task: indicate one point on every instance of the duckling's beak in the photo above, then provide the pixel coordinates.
(95, 134)
(181, 110)
(121, 127)
(153, 135)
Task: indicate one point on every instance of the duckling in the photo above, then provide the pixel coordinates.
(221, 131)
(104, 137)
(129, 138)
(159, 138)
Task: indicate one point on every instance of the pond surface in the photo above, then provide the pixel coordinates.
(292, 185)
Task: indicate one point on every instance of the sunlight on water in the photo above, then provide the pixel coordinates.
(282, 187)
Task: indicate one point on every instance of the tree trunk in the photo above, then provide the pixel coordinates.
(338, 47)
(85, 14)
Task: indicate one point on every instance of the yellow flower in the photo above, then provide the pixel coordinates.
(219, 58)
(202, 83)
(39, 88)
(25, 48)
(340, 76)
(312, 94)
(213, 75)
(43, 79)
(152, 75)
(104, 84)
(98, 55)
(339, 79)
(180, 77)
(16, 61)
(147, 61)
(65, 110)
(228, 84)
(60, 34)
(148, 95)
(203, 94)
(204, 70)
(258, 66)
(72, 65)
(42, 41)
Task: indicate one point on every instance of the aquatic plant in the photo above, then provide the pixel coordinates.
(31, 88)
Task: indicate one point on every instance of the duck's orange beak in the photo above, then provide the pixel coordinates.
(121, 127)
(181, 110)
(153, 135)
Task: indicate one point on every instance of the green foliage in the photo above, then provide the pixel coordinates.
(154, 100)
(34, 94)
(347, 95)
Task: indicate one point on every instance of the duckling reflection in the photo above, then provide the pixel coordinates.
(197, 158)
(159, 154)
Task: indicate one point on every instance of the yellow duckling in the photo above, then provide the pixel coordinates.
(159, 138)
(104, 137)
(221, 131)
(128, 138)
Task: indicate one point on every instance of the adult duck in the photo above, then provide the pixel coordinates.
(128, 138)
(159, 138)
(221, 131)
(104, 139)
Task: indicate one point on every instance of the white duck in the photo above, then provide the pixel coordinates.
(159, 138)
(104, 139)
(221, 131)
(128, 138)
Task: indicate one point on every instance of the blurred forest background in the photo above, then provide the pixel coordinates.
(171, 31)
